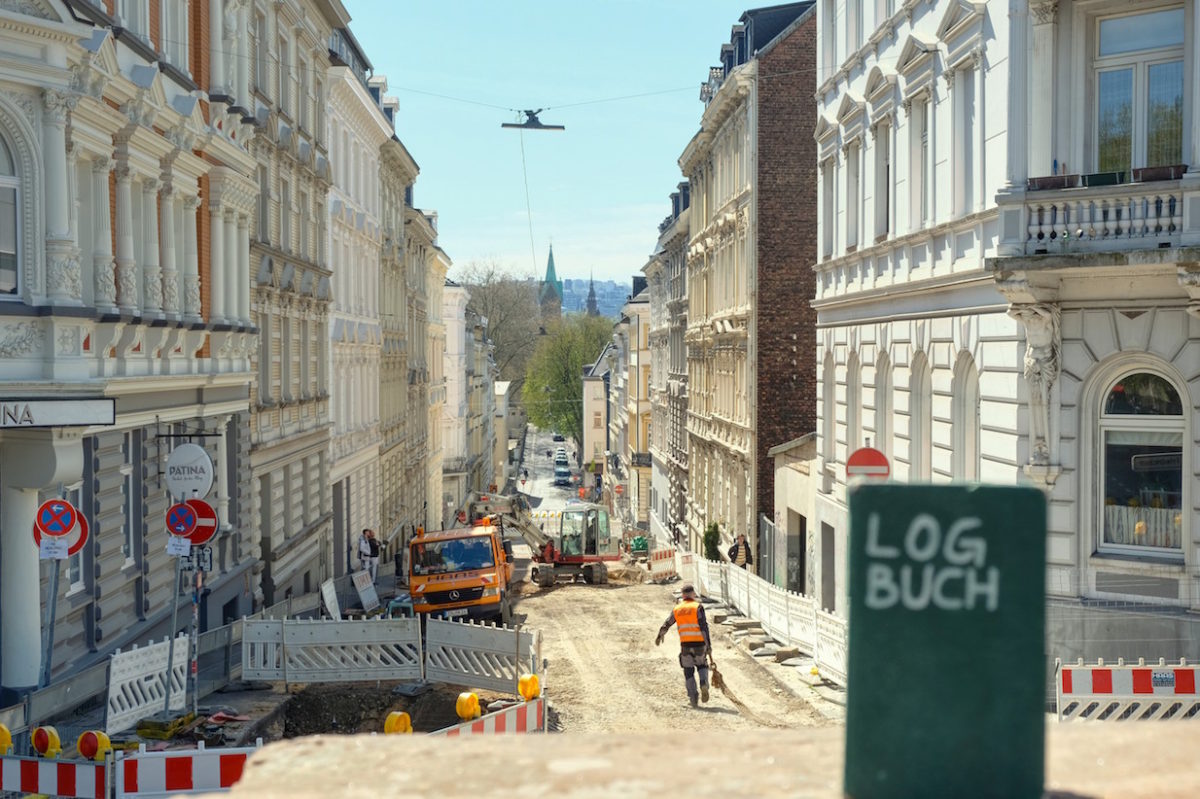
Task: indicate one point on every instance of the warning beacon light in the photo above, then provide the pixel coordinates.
(47, 742)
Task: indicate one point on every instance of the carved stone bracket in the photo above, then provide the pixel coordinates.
(1188, 276)
(1043, 343)
(1044, 12)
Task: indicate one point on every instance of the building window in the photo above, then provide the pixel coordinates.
(283, 76)
(920, 418)
(134, 15)
(827, 201)
(131, 543)
(9, 222)
(828, 411)
(285, 361)
(1142, 439)
(304, 225)
(76, 579)
(883, 405)
(853, 192)
(175, 33)
(285, 215)
(965, 420)
(261, 56)
(853, 25)
(302, 69)
(883, 180)
(853, 404)
(964, 142)
(829, 41)
(597, 420)
(918, 158)
(1139, 90)
(264, 357)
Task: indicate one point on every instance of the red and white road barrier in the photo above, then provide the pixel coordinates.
(1126, 691)
(65, 778)
(662, 564)
(181, 771)
(525, 717)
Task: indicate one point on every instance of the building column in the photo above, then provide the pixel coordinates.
(191, 261)
(246, 20)
(64, 285)
(217, 83)
(128, 297)
(244, 277)
(170, 274)
(221, 480)
(231, 264)
(105, 284)
(930, 158)
(216, 266)
(1042, 101)
(152, 285)
(979, 202)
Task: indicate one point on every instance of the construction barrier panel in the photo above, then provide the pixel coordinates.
(525, 717)
(64, 778)
(480, 656)
(303, 650)
(137, 682)
(662, 565)
(1126, 692)
(199, 770)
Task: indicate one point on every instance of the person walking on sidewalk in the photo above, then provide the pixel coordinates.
(739, 553)
(368, 553)
(694, 643)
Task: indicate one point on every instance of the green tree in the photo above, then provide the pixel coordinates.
(509, 302)
(712, 542)
(553, 390)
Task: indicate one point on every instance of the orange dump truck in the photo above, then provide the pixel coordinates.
(462, 573)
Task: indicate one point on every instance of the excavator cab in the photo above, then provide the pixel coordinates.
(584, 532)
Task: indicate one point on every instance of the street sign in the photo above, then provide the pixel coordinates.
(366, 590)
(55, 517)
(189, 472)
(206, 522)
(178, 546)
(947, 597)
(329, 595)
(198, 555)
(60, 547)
(181, 519)
(868, 462)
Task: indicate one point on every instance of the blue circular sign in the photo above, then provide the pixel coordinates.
(181, 519)
(56, 517)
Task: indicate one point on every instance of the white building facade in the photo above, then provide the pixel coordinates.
(435, 347)
(358, 127)
(1007, 284)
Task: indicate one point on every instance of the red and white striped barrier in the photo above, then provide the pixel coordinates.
(63, 778)
(662, 565)
(525, 717)
(186, 771)
(1124, 692)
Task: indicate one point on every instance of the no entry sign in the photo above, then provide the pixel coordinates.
(868, 462)
(206, 522)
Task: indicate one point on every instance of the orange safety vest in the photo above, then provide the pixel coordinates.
(687, 619)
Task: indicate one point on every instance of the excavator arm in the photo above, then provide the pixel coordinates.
(512, 514)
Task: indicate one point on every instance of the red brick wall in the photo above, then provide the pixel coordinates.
(787, 249)
(156, 26)
(198, 44)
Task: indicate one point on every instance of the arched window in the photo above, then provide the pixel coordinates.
(853, 404)
(964, 457)
(828, 411)
(920, 421)
(1142, 456)
(883, 405)
(9, 227)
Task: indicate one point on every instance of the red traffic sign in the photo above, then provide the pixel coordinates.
(81, 524)
(55, 517)
(181, 519)
(868, 462)
(206, 522)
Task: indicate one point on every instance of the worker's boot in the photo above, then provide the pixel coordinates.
(692, 699)
(704, 693)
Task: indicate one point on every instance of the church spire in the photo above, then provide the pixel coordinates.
(592, 308)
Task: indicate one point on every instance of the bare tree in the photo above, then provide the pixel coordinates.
(509, 301)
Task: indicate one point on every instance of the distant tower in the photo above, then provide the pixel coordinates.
(550, 296)
(592, 308)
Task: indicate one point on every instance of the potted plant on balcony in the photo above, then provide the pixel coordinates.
(1104, 179)
(1145, 174)
(1048, 182)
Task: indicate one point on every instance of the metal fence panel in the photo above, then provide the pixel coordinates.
(262, 649)
(73, 691)
(309, 650)
(138, 679)
(479, 656)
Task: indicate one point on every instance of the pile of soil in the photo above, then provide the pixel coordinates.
(352, 708)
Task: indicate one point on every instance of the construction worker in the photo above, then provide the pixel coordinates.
(694, 643)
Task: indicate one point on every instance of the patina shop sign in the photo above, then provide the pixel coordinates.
(57, 413)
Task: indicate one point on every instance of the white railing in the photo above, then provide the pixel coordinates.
(301, 650)
(1123, 216)
(788, 617)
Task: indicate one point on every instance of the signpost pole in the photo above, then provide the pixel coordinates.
(51, 612)
(197, 584)
(171, 640)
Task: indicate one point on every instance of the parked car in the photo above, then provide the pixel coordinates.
(559, 437)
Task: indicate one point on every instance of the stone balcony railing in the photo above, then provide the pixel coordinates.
(1123, 216)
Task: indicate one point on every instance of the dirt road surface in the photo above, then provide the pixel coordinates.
(606, 675)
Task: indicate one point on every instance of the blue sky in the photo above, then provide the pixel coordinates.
(597, 190)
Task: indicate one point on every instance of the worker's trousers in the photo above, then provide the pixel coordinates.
(692, 658)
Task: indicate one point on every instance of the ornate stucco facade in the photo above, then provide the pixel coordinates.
(292, 292)
(125, 198)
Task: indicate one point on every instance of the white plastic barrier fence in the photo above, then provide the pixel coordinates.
(303, 650)
(1127, 693)
(200, 770)
(480, 656)
(789, 617)
(662, 564)
(65, 778)
(522, 718)
(137, 684)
